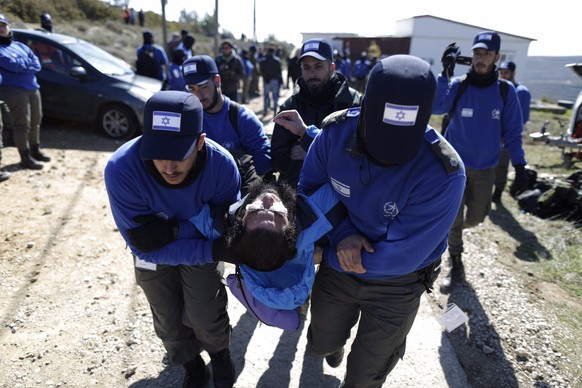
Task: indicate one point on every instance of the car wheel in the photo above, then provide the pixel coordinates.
(117, 121)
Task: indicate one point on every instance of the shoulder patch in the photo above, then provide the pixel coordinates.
(340, 116)
(446, 153)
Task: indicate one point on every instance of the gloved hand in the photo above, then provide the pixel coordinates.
(221, 251)
(448, 59)
(153, 234)
(521, 182)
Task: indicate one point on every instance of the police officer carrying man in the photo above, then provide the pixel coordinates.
(156, 183)
(402, 184)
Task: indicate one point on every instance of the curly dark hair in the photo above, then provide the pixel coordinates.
(260, 249)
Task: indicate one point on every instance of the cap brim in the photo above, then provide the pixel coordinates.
(197, 79)
(480, 45)
(160, 147)
(314, 55)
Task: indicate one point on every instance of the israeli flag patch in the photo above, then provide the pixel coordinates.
(311, 46)
(166, 121)
(190, 68)
(401, 115)
(341, 188)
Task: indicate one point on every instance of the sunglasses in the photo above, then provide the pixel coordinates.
(277, 208)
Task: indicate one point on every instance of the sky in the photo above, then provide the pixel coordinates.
(555, 27)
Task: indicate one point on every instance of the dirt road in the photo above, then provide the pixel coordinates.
(72, 314)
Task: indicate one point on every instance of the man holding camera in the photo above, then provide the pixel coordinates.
(481, 120)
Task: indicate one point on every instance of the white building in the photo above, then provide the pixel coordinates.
(427, 37)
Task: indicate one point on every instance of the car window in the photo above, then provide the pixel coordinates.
(51, 58)
(99, 58)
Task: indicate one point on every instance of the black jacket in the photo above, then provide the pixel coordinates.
(337, 95)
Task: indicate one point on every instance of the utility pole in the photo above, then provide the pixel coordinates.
(255, 21)
(164, 27)
(216, 27)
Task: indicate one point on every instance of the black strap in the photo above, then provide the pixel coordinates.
(460, 90)
(233, 111)
(503, 90)
(242, 290)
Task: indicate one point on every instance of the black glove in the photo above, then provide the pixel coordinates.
(521, 182)
(221, 251)
(448, 59)
(153, 234)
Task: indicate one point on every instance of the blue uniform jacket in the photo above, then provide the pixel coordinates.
(251, 136)
(160, 58)
(524, 97)
(481, 123)
(18, 66)
(133, 191)
(288, 286)
(405, 211)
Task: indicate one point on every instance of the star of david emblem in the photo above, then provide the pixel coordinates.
(400, 115)
(165, 121)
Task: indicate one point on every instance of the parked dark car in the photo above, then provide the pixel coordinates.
(82, 82)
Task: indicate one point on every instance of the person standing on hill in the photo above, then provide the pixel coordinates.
(151, 58)
(362, 67)
(319, 92)
(254, 86)
(482, 120)
(4, 175)
(231, 70)
(46, 22)
(20, 91)
(175, 78)
(293, 68)
(507, 72)
(272, 79)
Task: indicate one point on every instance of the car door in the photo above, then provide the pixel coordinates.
(63, 90)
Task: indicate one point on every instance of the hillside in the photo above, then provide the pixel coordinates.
(548, 78)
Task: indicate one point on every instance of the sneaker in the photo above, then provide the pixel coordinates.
(197, 374)
(335, 359)
(223, 373)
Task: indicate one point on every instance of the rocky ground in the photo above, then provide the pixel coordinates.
(71, 314)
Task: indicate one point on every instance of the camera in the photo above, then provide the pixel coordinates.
(460, 60)
(453, 55)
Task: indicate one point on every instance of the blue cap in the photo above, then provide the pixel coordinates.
(396, 108)
(318, 49)
(4, 19)
(507, 65)
(198, 69)
(488, 40)
(171, 126)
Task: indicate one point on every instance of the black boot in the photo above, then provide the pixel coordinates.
(4, 175)
(223, 373)
(496, 198)
(36, 153)
(458, 269)
(27, 161)
(197, 374)
(456, 274)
